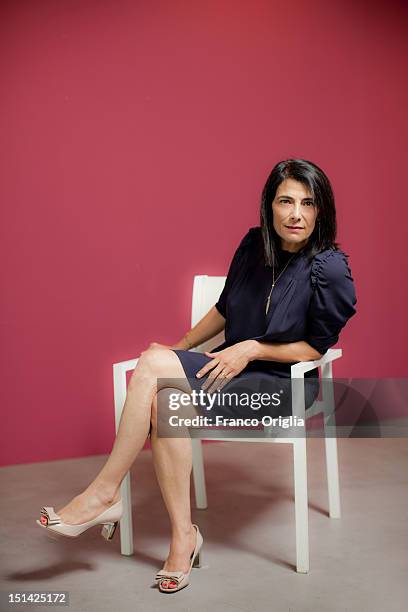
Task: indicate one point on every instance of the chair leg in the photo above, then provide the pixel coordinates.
(301, 505)
(332, 467)
(126, 527)
(198, 474)
(332, 470)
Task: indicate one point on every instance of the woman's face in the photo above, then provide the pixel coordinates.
(293, 207)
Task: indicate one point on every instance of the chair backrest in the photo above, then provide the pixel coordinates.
(206, 291)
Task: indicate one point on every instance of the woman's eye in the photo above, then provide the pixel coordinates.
(307, 203)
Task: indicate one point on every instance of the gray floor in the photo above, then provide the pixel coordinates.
(358, 562)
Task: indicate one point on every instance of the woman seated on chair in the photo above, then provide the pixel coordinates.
(288, 294)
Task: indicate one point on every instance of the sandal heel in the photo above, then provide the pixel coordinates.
(198, 561)
(108, 530)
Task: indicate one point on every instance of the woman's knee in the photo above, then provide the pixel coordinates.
(149, 363)
(161, 367)
(154, 359)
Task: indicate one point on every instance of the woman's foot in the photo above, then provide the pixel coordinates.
(179, 558)
(88, 505)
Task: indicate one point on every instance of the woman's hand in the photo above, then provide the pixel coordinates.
(226, 364)
(158, 345)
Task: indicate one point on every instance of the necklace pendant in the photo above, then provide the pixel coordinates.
(268, 301)
(275, 280)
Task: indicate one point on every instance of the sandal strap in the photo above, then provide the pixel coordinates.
(170, 579)
(167, 574)
(52, 517)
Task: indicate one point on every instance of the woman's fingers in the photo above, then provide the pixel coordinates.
(159, 345)
(212, 376)
(220, 382)
(216, 380)
(208, 366)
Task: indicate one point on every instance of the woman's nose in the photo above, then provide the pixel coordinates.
(295, 213)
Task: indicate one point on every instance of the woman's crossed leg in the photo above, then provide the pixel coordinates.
(147, 389)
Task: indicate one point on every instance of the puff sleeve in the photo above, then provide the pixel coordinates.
(235, 266)
(333, 300)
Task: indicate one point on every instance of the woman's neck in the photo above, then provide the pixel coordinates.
(292, 247)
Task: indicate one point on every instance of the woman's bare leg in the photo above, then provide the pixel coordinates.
(133, 429)
(172, 459)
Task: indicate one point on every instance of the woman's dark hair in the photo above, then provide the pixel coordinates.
(324, 233)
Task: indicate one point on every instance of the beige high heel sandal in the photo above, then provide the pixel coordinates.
(180, 578)
(109, 520)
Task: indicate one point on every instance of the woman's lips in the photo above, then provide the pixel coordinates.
(293, 229)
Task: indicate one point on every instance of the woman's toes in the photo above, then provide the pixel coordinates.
(168, 584)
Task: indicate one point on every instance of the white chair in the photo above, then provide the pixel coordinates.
(206, 290)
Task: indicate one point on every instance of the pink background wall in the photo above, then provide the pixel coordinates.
(136, 139)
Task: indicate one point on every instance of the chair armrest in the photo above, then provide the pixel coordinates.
(125, 366)
(120, 386)
(298, 369)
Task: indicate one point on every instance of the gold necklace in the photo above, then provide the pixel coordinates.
(268, 301)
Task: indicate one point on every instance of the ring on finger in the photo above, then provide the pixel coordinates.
(224, 381)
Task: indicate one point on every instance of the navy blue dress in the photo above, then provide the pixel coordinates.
(312, 301)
